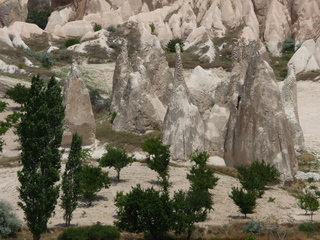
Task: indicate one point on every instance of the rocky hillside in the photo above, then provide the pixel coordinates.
(240, 115)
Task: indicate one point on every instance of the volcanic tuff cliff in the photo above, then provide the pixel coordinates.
(243, 117)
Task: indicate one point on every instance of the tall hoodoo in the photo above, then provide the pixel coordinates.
(183, 127)
(141, 85)
(258, 127)
(78, 113)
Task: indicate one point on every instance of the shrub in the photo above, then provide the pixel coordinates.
(309, 227)
(9, 223)
(288, 45)
(172, 44)
(90, 233)
(96, 27)
(44, 57)
(63, 55)
(39, 17)
(71, 41)
(251, 227)
(114, 45)
(93, 179)
(152, 27)
(111, 28)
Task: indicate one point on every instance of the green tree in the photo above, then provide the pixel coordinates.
(40, 133)
(256, 176)
(308, 202)
(3, 124)
(194, 205)
(93, 179)
(171, 46)
(117, 158)
(18, 93)
(71, 188)
(147, 211)
(158, 159)
(201, 177)
(188, 208)
(246, 201)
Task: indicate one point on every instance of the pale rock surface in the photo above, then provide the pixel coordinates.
(12, 10)
(201, 85)
(141, 87)
(59, 18)
(4, 37)
(183, 128)
(288, 91)
(97, 6)
(302, 56)
(258, 127)
(74, 29)
(78, 113)
(11, 69)
(276, 26)
(25, 30)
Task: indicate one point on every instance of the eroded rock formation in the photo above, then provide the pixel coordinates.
(141, 85)
(12, 10)
(258, 127)
(183, 127)
(78, 113)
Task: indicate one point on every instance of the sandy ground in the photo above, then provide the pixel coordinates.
(283, 209)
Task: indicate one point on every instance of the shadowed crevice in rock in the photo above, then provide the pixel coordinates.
(78, 113)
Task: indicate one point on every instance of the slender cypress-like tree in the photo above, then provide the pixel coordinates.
(71, 178)
(40, 133)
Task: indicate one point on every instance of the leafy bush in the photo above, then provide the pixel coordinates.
(310, 227)
(114, 45)
(93, 179)
(117, 158)
(288, 45)
(111, 28)
(246, 201)
(71, 41)
(63, 55)
(9, 223)
(172, 44)
(152, 27)
(251, 227)
(44, 57)
(144, 210)
(97, 27)
(39, 17)
(90, 233)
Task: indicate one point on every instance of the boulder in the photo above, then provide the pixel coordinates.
(258, 127)
(59, 18)
(183, 128)
(25, 30)
(302, 56)
(78, 113)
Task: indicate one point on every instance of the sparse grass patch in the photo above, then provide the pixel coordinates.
(312, 76)
(308, 162)
(129, 141)
(7, 162)
(279, 65)
(229, 171)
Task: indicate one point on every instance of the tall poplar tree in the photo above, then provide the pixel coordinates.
(71, 179)
(40, 134)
